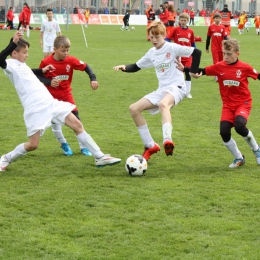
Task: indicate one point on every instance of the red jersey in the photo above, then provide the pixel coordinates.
(182, 36)
(63, 72)
(25, 16)
(217, 34)
(10, 15)
(233, 82)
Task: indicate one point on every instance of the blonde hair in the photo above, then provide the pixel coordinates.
(157, 28)
(230, 44)
(61, 41)
(184, 16)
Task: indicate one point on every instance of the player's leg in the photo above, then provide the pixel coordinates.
(27, 31)
(83, 149)
(164, 106)
(135, 110)
(187, 63)
(241, 129)
(19, 151)
(101, 159)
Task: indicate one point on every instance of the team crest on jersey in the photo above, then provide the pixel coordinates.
(238, 72)
(163, 66)
(168, 55)
(68, 68)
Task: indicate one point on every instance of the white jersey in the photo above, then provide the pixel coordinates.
(49, 30)
(30, 90)
(163, 60)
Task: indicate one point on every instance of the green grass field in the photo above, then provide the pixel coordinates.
(189, 206)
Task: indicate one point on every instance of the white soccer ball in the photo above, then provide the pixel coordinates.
(136, 165)
(133, 28)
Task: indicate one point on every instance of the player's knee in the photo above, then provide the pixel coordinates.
(133, 110)
(241, 129)
(32, 146)
(225, 131)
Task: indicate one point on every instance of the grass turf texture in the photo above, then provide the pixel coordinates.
(189, 206)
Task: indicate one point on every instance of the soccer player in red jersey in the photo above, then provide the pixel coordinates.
(236, 98)
(183, 35)
(217, 33)
(58, 82)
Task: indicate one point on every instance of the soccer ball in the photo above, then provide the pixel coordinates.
(133, 28)
(136, 165)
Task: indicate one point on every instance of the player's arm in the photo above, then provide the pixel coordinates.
(92, 77)
(207, 43)
(196, 55)
(127, 68)
(8, 50)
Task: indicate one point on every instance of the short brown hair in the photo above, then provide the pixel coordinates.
(231, 44)
(216, 15)
(61, 41)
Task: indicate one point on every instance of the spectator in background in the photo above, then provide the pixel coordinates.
(192, 15)
(106, 11)
(226, 16)
(150, 18)
(10, 18)
(100, 10)
(63, 10)
(54, 9)
(164, 15)
(24, 18)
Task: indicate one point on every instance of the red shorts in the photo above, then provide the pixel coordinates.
(241, 26)
(217, 56)
(186, 61)
(229, 114)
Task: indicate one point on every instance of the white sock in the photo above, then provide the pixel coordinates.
(250, 140)
(28, 32)
(188, 86)
(145, 136)
(57, 131)
(167, 131)
(16, 153)
(232, 147)
(89, 143)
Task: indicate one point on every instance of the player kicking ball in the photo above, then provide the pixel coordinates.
(171, 89)
(40, 108)
(233, 77)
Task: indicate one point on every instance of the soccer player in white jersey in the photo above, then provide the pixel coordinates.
(40, 108)
(49, 31)
(171, 89)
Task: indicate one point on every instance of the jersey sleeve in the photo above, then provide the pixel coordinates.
(78, 64)
(145, 61)
(181, 50)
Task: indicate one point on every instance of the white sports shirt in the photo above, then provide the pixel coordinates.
(50, 30)
(30, 90)
(163, 60)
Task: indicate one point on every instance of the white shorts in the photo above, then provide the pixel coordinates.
(39, 117)
(48, 48)
(178, 92)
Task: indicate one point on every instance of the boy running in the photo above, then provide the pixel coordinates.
(171, 89)
(40, 108)
(58, 83)
(236, 98)
(49, 30)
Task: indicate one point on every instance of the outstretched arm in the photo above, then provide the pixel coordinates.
(8, 50)
(127, 68)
